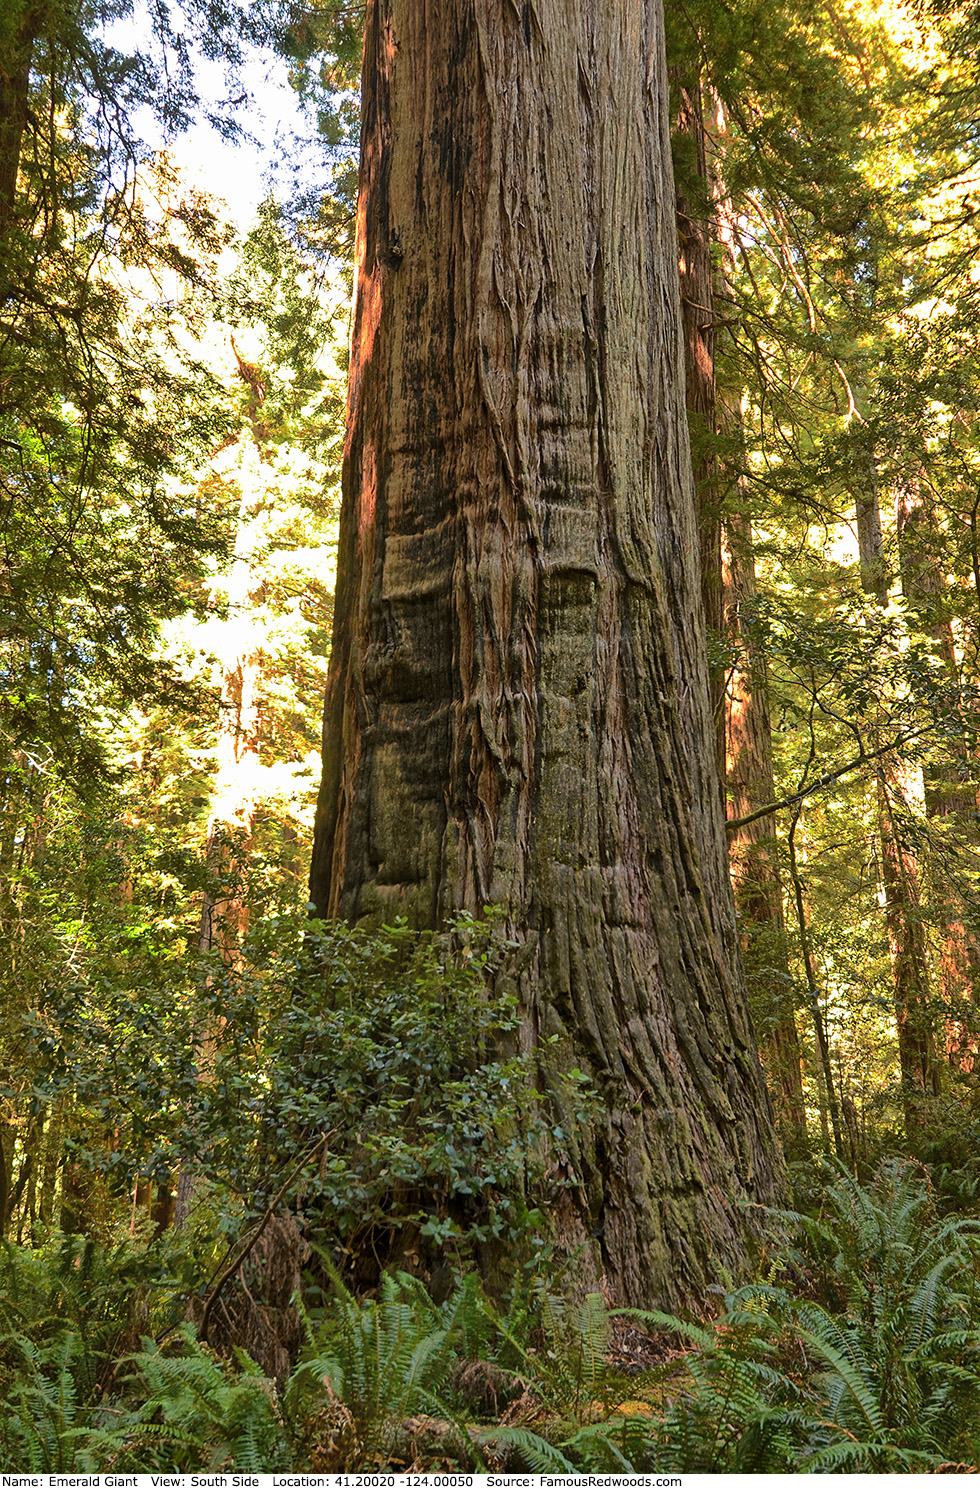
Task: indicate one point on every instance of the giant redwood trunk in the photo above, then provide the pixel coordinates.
(517, 708)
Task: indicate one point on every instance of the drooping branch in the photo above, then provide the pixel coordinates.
(827, 779)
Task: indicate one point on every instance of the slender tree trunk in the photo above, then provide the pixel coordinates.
(6, 1156)
(224, 917)
(517, 709)
(907, 942)
(25, 815)
(867, 520)
(828, 1103)
(224, 913)
(51, 1153)
(224, 909)
(31, 1145)
(899, 869)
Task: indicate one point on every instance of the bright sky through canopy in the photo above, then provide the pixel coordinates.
(276, 152)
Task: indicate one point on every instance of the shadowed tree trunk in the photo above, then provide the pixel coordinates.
(24, 25)
(6, 1151)
(517, 709)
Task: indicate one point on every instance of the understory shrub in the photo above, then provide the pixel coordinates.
(377, 1073)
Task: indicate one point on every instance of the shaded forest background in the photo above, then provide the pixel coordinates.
(193, 1083)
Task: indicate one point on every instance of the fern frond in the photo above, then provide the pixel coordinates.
(540, 1455)
(593, 1449)
(668, 1323)
(868, 1457)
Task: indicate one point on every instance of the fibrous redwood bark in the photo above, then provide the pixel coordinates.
(517, 709)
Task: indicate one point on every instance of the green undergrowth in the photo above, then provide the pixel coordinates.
(368, 1081)
(857, 1350)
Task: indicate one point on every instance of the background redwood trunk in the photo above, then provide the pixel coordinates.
(517, 710)
(15, 72)
(907, 943)
(697, 232)
(739, 704)
(899, 868)
(224, 908)
(752, 847)
(950, 784)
